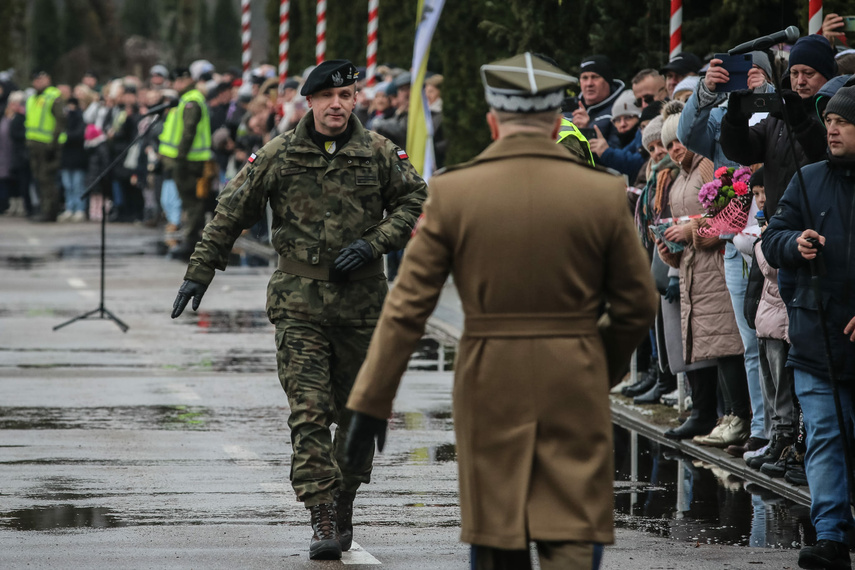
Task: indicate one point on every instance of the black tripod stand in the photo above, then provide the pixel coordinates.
(102, 312)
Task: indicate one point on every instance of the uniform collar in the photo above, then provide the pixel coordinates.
(523, 144)
(358, 145)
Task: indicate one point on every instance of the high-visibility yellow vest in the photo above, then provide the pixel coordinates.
(580, 146)
(39, 120)
(173, 129)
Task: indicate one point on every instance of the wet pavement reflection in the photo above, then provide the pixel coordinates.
(668, 494)
(60, 516)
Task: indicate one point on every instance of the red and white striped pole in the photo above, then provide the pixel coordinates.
(815, 17)
(321, 33)
(371, 71)
(284, 14)
(676, 28)
(246, 37)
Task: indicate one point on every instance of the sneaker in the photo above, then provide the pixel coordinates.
(720, 424)
(670, 399)
(65, 216)
(757, 452)
(626, 382)
(78, 217)
(825, 554)
(789, 458)
(752, 444)
(771, 455)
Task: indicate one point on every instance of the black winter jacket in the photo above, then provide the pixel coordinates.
(767, 142)
(831, 192)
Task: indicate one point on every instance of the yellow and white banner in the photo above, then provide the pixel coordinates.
(420, 125)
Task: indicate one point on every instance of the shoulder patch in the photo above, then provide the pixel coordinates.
(401, 154)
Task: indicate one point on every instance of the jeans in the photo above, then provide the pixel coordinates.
(737, 280)
(170, 202)
(824, 462)
(777, 382)
(73, 182)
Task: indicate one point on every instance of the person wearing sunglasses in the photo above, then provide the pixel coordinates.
(648, 86)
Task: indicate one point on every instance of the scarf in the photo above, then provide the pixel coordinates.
(653, 195)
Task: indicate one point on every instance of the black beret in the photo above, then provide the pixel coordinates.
(38, 73)
(331, 73)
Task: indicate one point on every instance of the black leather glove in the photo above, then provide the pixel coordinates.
(795, 107)
(354, 256)
(364, 429)
(189, 289)
(672, 293)
(735, 115)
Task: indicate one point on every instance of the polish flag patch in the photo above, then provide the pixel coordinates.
(251, 158)
(402, 154)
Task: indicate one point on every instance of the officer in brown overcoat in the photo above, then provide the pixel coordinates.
(556, 292)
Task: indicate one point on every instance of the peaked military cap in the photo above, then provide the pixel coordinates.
(331, 73)
(524, 83)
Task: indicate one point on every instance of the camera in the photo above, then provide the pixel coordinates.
(761, 103)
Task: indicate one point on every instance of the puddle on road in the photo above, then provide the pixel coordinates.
(677, 497)
(193, 418)
(432, 355)
(60, 516)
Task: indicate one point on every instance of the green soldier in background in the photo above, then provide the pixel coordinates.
(45, 134)
(185, 144)
(328, 182)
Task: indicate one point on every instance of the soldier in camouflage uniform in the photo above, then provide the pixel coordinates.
(328, 182)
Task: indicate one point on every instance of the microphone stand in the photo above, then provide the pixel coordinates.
(817, 270)
(101, 311)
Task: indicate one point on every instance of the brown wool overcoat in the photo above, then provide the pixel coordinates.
(537, 243)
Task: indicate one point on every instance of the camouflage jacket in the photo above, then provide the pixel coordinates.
(320, 205)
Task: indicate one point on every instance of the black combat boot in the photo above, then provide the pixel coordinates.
(825, 555)
(343, 501)
(324, 545)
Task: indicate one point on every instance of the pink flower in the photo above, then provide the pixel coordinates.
(740, 188)
(716, 184)
(708, 194)
(743, 172)
(722, 170)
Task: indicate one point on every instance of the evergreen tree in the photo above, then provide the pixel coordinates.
(141, 18)
(13, 37)
(44, 26)
(225, 33)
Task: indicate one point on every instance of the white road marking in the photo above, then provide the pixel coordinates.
(76, 283)
(87, 294)
(183, 392)
(358, 555)
(34, 241)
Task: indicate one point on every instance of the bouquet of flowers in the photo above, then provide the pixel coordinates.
(726, 201)
(729, 184)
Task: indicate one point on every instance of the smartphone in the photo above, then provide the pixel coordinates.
(849, 23)
(588, 133)
(738, 67)
(761, 103)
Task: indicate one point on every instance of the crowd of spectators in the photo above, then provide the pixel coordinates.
(101, 119)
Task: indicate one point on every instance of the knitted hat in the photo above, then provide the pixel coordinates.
(671, 116)
(652, 132)
(625, 105)
(683, 63)
(761, 60)
(599, 64)
(651, 111)
(814, 51)
(843, 103)
(688, 83)
(756, 178)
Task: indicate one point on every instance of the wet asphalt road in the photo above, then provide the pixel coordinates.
(167, 446)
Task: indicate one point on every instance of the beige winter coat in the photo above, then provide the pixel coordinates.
(771, 320)
(706, 313)
(537, 242)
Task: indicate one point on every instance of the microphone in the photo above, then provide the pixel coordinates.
(162, 107)
(789, 35)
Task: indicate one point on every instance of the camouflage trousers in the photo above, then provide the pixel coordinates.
(192, 206)
(317, 367)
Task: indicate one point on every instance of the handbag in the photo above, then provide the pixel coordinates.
(753, 292)
(659, 269)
